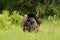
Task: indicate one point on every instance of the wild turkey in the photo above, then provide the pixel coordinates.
(30, 22)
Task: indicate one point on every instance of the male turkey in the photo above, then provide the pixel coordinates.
(30, 22)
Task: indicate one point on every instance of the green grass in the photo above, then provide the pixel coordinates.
(48, 31)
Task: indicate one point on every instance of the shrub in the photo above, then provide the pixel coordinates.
(4, 17)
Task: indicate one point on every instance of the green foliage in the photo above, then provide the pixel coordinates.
(4, 17)
(53, 19)
(16, 17)
(6, 21)
(56, 9)
(47, 7)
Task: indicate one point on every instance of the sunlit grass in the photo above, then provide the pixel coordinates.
(48, 31)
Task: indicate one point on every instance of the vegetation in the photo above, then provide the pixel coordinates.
(11, 14)
(47, 7)
(10, 28)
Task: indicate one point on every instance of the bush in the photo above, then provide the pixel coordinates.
(53, 19)
(6, 21)
(4, 17)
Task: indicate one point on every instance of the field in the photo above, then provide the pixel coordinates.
(12, 13)
(48, 31)
(10, 28)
